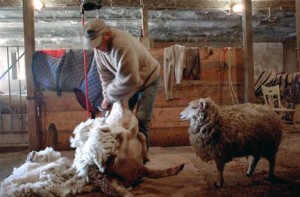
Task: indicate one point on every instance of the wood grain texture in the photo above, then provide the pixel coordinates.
(162, 4)
(32, 107)
(166, 128)
(297, 2)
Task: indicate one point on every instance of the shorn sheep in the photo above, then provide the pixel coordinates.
(112, 154)
(235, 131)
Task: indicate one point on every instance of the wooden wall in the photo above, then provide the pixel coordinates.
(267, 56)
(166, 129)
(290, 56)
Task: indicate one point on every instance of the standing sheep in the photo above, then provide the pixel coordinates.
(235, 131)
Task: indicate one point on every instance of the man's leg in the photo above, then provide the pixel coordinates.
(145, 108)
(134, 99)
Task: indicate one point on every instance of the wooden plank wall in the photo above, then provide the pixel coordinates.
(166, 129)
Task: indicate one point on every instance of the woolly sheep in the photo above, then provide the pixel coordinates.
(235, 131)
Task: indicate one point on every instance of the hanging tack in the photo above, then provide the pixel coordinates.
(88, 5)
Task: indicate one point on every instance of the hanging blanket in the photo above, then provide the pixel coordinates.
(289, 84)
(63, 70)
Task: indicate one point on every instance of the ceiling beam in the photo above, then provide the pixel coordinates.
(163, 4)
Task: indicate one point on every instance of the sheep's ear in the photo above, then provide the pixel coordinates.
(208, 102)
(104, 127)
(202, 104)
(31, 156)
(106, 130)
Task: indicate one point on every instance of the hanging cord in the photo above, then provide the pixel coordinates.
(231, 90)
(88, 6)
(87, 103)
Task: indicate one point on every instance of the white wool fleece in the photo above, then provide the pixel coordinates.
(97, 145)
(96, 141)
(45, 173)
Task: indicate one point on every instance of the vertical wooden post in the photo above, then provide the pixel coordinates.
(145, 21)
(248, 51)
(145, 39)
(29, 46)
(297, 7)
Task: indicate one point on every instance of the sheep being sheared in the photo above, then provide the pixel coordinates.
(235, 131)
(111, 154)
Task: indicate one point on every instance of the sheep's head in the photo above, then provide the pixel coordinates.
(196, 109)
(46, 155)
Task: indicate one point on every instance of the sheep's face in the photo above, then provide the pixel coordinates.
(195, 109)
(43, 156)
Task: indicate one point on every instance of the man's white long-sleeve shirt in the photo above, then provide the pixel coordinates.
(126, 67)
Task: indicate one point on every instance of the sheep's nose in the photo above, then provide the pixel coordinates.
(181, 116)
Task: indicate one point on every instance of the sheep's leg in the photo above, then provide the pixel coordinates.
(145, 171)
(108, 185)
(220, 167)
(252, 165)
(271, 160)
(141, 137)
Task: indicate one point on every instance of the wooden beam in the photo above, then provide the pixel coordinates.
(29, 45)
(248, 51)
(162, 4)
(145, 21)
(298, 32)
(72, 3)
(264, 4)
(187, 4)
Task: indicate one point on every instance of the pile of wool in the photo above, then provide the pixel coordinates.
(95, 142)
(45, 173)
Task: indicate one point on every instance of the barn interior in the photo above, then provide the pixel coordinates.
(230, 55)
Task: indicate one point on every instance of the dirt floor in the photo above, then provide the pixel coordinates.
(197, 177)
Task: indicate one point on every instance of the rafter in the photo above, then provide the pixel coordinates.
(163, 4)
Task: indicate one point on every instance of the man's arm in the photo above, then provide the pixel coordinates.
(127, 78)
(106, 76)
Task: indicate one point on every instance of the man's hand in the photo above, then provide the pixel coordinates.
(106, 104)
